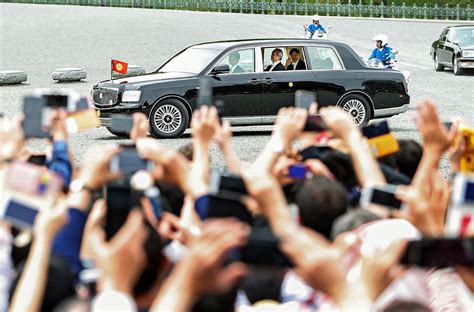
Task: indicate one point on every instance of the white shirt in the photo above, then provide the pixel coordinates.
(294, 64)
(233, 68)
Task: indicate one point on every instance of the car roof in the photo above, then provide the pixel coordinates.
(461, 26)
(223, 45)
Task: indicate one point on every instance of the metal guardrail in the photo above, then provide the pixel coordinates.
(286, 7)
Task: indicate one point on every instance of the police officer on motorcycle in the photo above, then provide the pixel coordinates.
(315, 26)
(382, 51)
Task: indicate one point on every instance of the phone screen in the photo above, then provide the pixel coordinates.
(469, 194)
(205, 92)
(56, 100)
(314, 123)
(232, 183)
(121, 123)
(33, 122)
(19, 214)
(128, 161)
(440, 252)
(376, 130)
(226, 204)
(38, 160)
(298, 171)
(385, 197)
(303, 99)
(120, 200)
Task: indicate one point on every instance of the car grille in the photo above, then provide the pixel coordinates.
(105, 96)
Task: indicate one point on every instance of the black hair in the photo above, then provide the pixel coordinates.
(294, 50)
(408, 157)
(216, 302)
(338, 163)
(321, 201)
(263, 283)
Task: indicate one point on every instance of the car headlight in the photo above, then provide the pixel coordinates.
(468, 53)
(131, 96)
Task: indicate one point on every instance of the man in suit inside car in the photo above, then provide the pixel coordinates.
(294, 62)
(234, 59)
(276, 64)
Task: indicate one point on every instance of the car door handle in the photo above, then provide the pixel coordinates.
(255, 81)
(269, 80)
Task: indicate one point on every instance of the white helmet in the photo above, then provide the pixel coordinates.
(316, 18)
(381, 37)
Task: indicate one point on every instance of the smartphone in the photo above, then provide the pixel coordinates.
(205, 92)
(226, 204)
(314, 123)
(18, 213)
(221, 180)
(381, 195)
(440, 252)
(38, 160)
(128, 161)
(304, 99)
(80, 120)
(261, 249)
(120, 200)
(298, 171)
(121, 123)
(33, 118)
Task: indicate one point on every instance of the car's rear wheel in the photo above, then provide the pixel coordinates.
(456, 69)
(119, 134)
(168, 119)
(437, 65)
(358, 107)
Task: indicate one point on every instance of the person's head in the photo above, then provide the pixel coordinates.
(263, 283)
(277, 55)
(295, 54)
(234, 58)
(408, 157)
(380, 40)
(351, 220)
(316, 19)
(321, 201)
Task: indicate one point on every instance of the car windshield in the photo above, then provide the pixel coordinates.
(465, 36)
(192, 60)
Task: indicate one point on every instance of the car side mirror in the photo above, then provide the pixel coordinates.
(221, 69)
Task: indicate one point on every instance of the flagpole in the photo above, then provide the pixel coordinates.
(111, 70)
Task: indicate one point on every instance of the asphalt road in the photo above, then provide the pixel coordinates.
(41, 38)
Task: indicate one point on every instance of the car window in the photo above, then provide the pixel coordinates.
(450, 35)
(242, 61)
(443, 34)
(192, 60)
(323, 58)
(267, 55)
(465, 36)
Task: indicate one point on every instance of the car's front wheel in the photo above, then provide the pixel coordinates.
(358, 107)
(456, 69)
(437, 65)
(168, 119)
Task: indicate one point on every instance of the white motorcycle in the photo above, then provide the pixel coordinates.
(318, 35)
(376, 63)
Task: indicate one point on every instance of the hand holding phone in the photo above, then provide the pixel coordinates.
(128, 161)
(381, 195)
(314, 123)
(33, 118)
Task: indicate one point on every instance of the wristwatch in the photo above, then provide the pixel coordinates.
(79, 185)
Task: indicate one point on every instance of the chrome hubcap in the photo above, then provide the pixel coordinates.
(356, 109)
(167, 118)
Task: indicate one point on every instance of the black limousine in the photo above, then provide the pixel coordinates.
(253, 96)
(454, 49)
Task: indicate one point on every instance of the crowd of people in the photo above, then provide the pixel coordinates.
(102, 241)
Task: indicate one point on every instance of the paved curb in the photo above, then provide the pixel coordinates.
(69, 74)
(132, 70)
